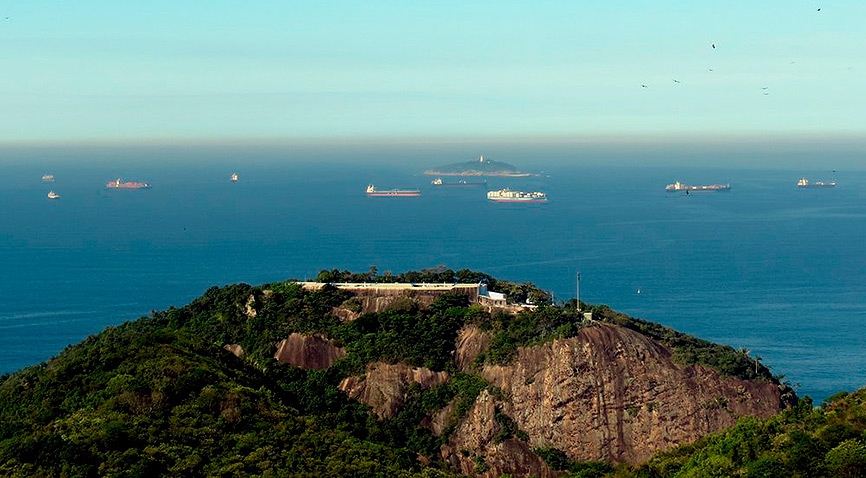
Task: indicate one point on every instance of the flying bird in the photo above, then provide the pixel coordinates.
(643, 85)
(709, 69)
(676, 81)
(714, 46)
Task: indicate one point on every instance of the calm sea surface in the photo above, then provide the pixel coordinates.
(768, 267)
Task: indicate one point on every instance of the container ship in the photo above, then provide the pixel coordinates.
(804, 183)
(47, 178)
(459, 184)
(118, 184)
(507, 195)
(372, 192)
(687, 188)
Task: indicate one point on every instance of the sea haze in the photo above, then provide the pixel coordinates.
(768, 267)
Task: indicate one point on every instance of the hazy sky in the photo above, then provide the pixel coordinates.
(279, 69)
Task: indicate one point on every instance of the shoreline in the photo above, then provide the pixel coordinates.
(501, 174)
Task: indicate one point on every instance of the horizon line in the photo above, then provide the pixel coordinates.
(795, 137)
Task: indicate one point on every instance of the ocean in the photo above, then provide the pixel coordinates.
(765, 266)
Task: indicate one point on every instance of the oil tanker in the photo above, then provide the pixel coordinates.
(118, 184)
(687, 188)
(372, 192)
(507, 195)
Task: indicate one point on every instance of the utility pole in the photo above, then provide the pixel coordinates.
(577, 291)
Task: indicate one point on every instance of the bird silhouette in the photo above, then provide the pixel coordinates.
(676, 81)
(714, 46)
(643, 86)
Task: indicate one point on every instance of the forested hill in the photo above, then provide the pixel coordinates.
(162, 395)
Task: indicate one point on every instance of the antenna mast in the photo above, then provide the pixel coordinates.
(577, 291)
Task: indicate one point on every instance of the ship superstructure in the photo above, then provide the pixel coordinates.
(391, 193)
(507, 195)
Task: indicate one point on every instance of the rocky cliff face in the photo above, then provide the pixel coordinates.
(383, 387)
(474, 450)
(471, 341)
(608, 394)
(308, 351)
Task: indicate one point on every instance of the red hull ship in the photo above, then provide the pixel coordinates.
(118, 184)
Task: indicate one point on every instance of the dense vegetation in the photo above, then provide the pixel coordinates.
(160, 396)
(802, 441)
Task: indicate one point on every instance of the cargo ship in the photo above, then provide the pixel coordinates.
(459, 184)
(372, 192)
(507, 195)
(118, 184)
(687, 188)
(47, 178)
(53, 195)
(804, 183)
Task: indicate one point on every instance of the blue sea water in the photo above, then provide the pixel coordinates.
(768, 267)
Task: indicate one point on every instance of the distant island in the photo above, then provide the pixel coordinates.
(482, 167)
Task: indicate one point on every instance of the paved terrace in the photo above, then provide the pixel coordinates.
(477, 293)
(394, 286)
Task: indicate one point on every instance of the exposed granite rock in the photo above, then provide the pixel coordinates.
(344, 314)
(383, 386)
(308, 351)
(250, 307)
(613, 394)
(474, 437)
(471, 341)
(381, 300)
(438, 422)
(235, 349)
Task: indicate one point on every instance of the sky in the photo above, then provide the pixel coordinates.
(168, 70)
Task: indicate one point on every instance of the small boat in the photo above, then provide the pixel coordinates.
(53, 195)
(234, 177)
(47, 178)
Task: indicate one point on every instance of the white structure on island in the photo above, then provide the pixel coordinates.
(491, 299)
(477, 293)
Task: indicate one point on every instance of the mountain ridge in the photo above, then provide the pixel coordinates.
(130, 397)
